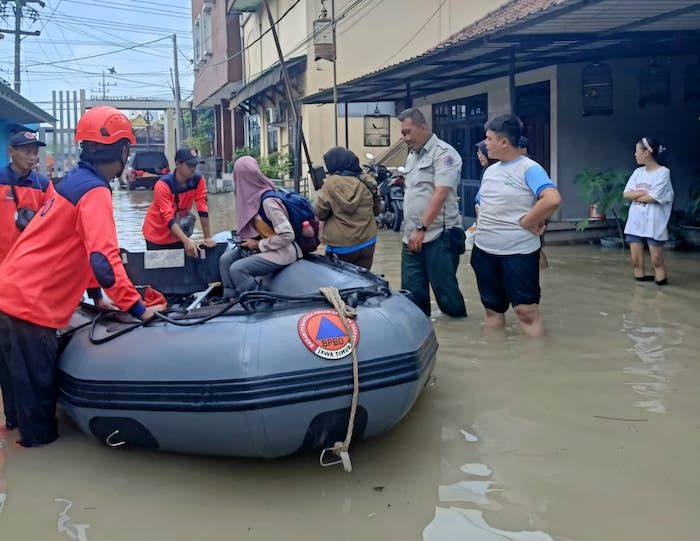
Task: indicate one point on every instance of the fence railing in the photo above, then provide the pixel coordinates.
(468, 189)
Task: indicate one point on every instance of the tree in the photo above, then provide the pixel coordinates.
(202, 133)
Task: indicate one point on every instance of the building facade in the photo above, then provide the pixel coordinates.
(369, 36)
(218, 72)
(588, 78)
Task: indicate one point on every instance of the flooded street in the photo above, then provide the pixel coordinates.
(590, 435)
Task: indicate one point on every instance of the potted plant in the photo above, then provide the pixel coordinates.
(602, 190)
(675, 231)
(690, 223)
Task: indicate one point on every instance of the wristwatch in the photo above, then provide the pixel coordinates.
(421, 227)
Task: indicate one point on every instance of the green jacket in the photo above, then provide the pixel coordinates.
(348, 206)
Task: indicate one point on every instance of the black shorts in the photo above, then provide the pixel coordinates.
(506, 279)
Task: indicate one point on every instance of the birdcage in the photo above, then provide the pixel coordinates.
(324, 46)
(654, 85)
(597, 89)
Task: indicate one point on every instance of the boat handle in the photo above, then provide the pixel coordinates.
(114, 443)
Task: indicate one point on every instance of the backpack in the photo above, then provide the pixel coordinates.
(300, 210)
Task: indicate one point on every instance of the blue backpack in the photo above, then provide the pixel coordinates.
(300, 210)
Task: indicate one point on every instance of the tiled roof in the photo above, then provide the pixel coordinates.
(509, 13)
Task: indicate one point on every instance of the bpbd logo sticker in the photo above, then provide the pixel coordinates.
(323, 334)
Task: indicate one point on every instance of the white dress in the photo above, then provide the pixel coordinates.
(650, 220)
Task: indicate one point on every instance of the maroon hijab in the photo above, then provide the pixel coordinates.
(251, 184)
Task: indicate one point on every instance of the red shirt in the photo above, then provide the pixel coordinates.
(30, 192)
(170, 199)
(70, 245)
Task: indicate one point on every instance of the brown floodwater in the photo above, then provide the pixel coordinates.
(590, 434)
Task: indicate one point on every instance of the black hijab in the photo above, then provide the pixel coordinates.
(340, 161)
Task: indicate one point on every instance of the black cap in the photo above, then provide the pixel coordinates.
(24, 138)
(188, 156)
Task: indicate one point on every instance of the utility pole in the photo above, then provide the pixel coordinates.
(148, 117)
(103, 87)
(33, 15)
(335, 75)
(290, 97)
(178, 113)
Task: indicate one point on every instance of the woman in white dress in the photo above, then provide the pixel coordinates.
(650, 192)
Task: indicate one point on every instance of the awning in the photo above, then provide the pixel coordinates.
(530, 34)
(268, 79)
(15, 108)
(223, 93)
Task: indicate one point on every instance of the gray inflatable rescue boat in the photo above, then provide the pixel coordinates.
(268, 376)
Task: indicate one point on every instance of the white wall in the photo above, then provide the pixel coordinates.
(372, 36)
(292, 31)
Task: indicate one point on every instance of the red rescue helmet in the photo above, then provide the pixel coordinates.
(105, 125)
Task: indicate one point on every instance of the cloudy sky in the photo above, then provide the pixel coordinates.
(82, 38)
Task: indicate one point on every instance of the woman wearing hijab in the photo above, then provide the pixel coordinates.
(348, 203)
(271, 248)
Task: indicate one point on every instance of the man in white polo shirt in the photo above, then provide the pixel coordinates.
(515, 199)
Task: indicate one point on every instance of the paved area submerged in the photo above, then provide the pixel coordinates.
(589, 435)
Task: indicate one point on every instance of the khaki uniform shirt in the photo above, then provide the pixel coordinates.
(436, 164)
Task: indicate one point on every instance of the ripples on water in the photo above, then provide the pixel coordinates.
(591, 434)
(130, 209)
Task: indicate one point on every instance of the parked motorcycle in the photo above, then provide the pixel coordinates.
(390, 187)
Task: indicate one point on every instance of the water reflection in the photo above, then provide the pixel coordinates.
(652, 344)
(130, 209)
(455, 524)
(475, 492)
(64, 526)
(480, 470)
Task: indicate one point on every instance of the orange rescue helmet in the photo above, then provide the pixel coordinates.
(105, 125)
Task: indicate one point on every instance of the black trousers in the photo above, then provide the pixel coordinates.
(28, 371)
(434, 266)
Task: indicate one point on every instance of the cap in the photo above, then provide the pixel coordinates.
(25, 138)
(188, 156)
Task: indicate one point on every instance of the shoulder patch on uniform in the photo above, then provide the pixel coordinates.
(448, 160)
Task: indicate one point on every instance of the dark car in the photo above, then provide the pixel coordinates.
(145, 167)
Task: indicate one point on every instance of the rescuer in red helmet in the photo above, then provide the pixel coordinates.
(68, 247)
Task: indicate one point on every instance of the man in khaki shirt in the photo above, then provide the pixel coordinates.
(433, 234)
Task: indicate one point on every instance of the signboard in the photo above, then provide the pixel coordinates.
(377, 130)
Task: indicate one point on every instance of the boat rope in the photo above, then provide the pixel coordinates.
(250, 302)
(345, 312)
(163, 316)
